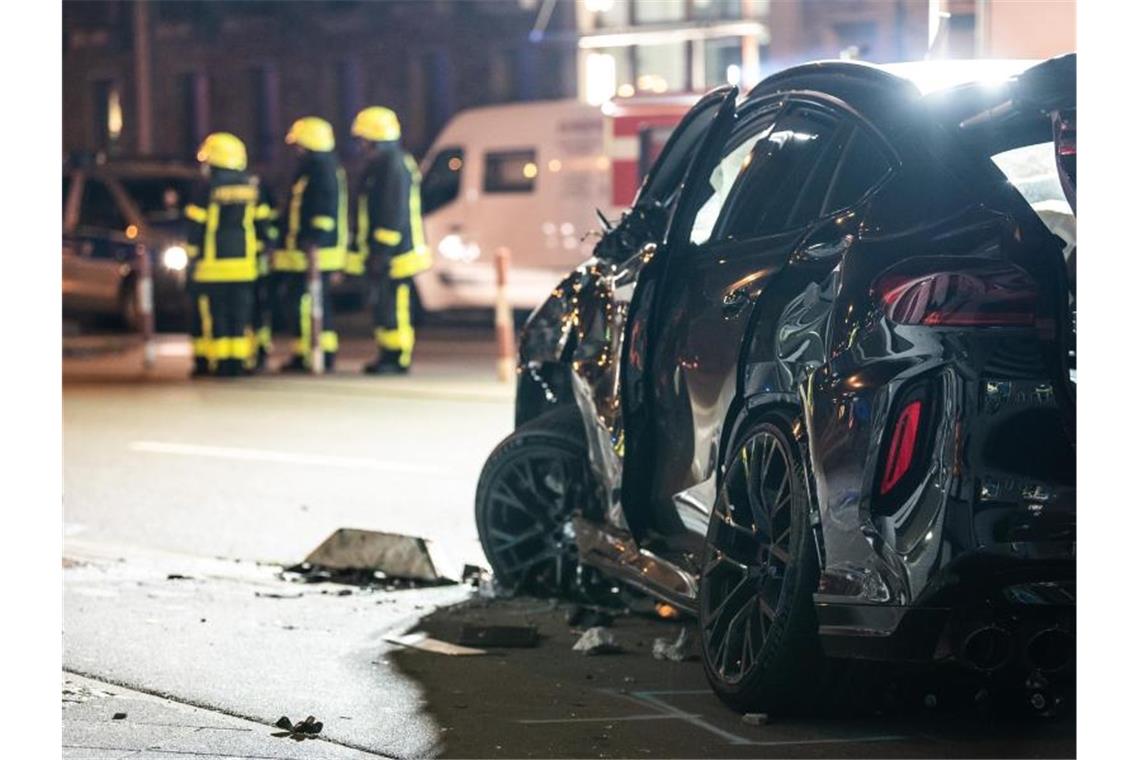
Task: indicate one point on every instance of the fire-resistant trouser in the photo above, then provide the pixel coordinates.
(264, 315)
(221, 326)
(297, 311)
(392, 319)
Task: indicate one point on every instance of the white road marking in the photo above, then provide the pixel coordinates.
(281, 457)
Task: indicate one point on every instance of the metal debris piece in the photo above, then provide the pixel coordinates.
(306, 729)
(597, 640)
(119, 716)
(394, 555)
(675, 651)
(755, 719)
(425, 643)
(583, 616)
(473, 575)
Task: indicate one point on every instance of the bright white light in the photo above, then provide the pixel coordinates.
(601, 78)
(175, 258)
(732, 74)
(453, 248)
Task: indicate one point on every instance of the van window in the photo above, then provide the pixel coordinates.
(510, 171)
(99, 208)
(441, 182)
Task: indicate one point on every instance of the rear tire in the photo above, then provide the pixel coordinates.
(757, 625)
(530, 487)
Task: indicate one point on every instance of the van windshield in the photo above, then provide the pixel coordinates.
(441, 181)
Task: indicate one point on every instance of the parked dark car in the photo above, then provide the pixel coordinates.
(818, 387)
(109, 209)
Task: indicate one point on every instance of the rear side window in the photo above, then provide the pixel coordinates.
(442, 180)
(781, 186)
(511, 171)
(99, 208)
(862, 166)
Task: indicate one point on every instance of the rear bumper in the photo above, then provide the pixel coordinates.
(455, 285)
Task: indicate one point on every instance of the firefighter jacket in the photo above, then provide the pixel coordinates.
(388, 219)
(270, 236)
(227, 222)
(316, 214)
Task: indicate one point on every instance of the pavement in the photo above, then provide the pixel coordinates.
(184, 499)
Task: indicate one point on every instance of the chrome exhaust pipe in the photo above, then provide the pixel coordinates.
(1050, 650)
(987, 648)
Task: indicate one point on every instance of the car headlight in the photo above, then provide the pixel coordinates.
(175, 258)
(453, 248)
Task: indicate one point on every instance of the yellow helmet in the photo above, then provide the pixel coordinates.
(312, 133)
(223, 150)
(376, 123)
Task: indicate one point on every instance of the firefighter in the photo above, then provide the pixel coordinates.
(225, 222)
(265, 287)
(389, 235)
(315, 216)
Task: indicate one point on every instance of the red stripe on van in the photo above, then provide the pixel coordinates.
(625, 182)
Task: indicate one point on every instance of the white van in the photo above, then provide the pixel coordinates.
(530, 178)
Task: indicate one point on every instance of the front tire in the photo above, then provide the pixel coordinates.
(530, 487)
(758, 629)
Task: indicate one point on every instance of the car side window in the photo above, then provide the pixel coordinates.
(99, 208)
(510, 171)
(736, 156)
(442, 180)
(861, 167)
(781, 186)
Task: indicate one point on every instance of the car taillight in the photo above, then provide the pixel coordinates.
(900, 455)
(993, 296)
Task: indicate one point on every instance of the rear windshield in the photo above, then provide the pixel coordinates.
(1032, 170)
(159, 199)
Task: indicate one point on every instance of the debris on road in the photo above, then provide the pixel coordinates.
(425, 643)
(82, 693)
(675, 651)
(119, 716)
(275, 595)
(394, 555)
(178, 577)
(477, 635)
(597, 640)
(755, 719)
(306, 729)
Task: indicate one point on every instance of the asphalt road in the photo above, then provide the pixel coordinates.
(183, 499)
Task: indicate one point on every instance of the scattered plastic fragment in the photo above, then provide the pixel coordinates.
(306, 729)
(675, 651)
(425, 643)
(477, 635)
(597, 640)
(119, 716)
(755, 719)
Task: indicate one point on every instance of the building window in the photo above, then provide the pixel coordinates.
(723, 61)
(658, 11)
(661, 68)
(266, 107)
(716, 9)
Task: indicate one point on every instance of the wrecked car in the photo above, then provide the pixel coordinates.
(818, 386)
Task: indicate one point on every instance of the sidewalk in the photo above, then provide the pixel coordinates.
(102, 721)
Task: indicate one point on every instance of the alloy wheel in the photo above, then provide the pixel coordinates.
(529, 506)
(747, 557)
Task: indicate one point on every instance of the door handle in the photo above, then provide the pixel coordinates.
(828, 249)
(734, 303)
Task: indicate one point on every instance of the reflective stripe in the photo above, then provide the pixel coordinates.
(417, 219)
(403, 338)
(263, 212)
(341, 209)
(234, 194)
(196, 213)
(411, 263)
(205, 343)
(231, 348)
(326, 223)
(226, 270)
(295, 213)
(387, 237)
(354, 262)
(330, 341)
(265, 338)
(304, 343)
(328, 260)
(362, 223)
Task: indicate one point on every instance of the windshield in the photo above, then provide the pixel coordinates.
(1032, 170)
(159, 199)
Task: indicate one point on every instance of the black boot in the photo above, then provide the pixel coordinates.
(330, 361)
(388, 363)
